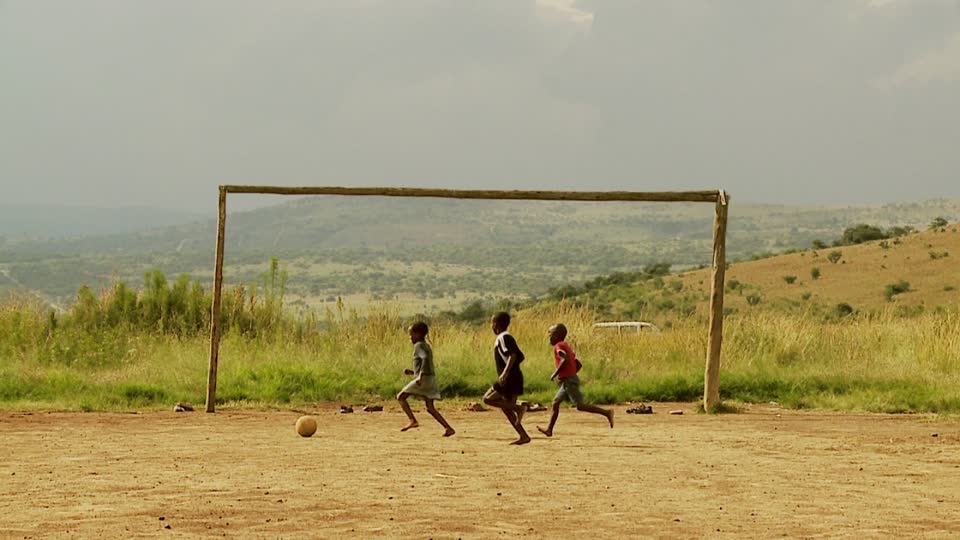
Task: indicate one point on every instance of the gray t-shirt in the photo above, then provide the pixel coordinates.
(423, 359)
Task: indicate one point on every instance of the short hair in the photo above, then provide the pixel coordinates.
(560, 329)
(419, 327)
(502, 318)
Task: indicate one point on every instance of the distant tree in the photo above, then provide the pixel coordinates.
(937, 223)
(861, 233)
(818, 244)
(657, 269)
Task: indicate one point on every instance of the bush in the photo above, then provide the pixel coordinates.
(753, 299)
(815, 273)
(834, 256)
(896, 232)
(790, 279)
(843, 310)
(805, 296)
(818, 244)
(939, 255)
(894, 289)
(938, 223)
(861, 233)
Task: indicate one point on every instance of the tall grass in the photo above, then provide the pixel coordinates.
(119, 350)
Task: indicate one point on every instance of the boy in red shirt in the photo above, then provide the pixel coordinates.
(566, 374)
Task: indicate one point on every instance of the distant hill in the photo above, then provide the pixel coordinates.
(910, 273)
(928, 261)
(435, 252)
(40, 221)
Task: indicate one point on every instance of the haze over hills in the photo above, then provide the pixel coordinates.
(437, 253)
(35, 221)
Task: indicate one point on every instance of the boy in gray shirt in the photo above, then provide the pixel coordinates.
(424, 385)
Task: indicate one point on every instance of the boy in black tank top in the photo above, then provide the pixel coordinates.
(509, 386)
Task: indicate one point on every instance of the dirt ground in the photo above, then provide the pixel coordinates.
(762, 473)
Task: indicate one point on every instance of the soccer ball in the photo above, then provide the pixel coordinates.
(306, 426)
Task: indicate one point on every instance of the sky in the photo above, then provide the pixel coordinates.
(123, 103)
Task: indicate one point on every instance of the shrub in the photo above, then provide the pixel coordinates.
(843, 309)
(834, 256)
(815, 273)
(948, 288)
(895, 232)
(939, 255)
(861, 233)
(753, 299)
(805, 296)
(734, 285)
(894, 289)
(885, 245)
(818, 244)
(938, 223)
(790, 279)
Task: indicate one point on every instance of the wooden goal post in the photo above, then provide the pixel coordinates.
(720, 198)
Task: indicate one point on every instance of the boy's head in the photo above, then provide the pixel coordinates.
(500, 322)
(558, 333)
(418, 331)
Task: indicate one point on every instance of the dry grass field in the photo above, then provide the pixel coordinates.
(245, 474)
(858, 278)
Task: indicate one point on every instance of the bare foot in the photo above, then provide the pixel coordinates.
(449, 432)
(547, 432)
(411, 425)
(521, 440)
(610, 417)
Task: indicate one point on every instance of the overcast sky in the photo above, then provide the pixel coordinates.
(123, 102)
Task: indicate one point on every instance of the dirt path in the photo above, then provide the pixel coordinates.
(246, 474)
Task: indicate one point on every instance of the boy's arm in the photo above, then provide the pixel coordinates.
(563, 361)
(511, 360)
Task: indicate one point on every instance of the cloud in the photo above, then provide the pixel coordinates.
(938, 64)
(158, 101)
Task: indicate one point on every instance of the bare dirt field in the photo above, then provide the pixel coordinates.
(762, 473)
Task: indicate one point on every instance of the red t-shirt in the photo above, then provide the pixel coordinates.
(570, 368)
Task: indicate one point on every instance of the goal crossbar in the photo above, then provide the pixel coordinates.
(720, 198)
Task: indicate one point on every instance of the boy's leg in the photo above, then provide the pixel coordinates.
(558, 400)
(494, 398)
(524, 438)
(553, 418)
(586, 407)
(571, 387)
(402, 398)
(436, 414)
(508, 404)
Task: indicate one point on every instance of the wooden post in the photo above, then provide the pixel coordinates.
(215, 309)
(711, 382)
